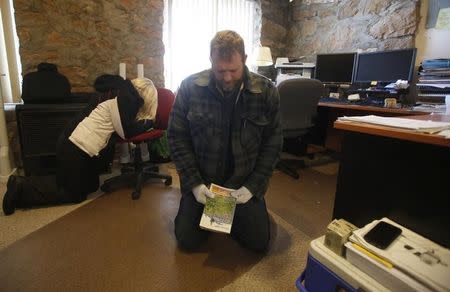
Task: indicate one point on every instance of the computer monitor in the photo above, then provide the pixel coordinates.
(385, 66)
(335, 68)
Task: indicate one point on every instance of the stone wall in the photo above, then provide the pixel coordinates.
(274, 26)
(327, 26)
(86, 38)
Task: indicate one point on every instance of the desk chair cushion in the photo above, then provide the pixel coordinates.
(166, 99)
(147, 136)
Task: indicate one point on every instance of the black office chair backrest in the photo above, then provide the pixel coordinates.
(299, 98)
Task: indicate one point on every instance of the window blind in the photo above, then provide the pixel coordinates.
(191, 24)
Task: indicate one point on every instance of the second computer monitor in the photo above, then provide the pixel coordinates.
(335, 68)
(385, 66)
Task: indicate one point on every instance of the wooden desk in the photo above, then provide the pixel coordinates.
(400, 174)
(328, 112)
(399, 133)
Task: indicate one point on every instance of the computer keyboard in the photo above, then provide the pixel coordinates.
(371, 102)
(365, 101)
(331, 99)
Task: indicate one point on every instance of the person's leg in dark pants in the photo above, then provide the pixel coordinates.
(187, 231)
(77, 171)
(41, 191)
(251, 227)
(76, 177)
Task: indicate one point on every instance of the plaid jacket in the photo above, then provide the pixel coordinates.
(195, 128)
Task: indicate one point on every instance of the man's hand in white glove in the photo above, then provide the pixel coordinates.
(201, 192)
(242, 195)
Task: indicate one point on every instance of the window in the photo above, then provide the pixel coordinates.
(191, 24)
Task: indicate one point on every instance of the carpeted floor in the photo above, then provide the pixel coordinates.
(115, 244)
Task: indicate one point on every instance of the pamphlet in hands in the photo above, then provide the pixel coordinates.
(218, 213)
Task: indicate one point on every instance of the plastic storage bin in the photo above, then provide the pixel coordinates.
(326, 271)
(317, 277)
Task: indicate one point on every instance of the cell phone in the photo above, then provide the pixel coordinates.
(382, 234)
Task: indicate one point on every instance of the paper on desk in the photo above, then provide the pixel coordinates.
(445, 133)
(437, 85)
(404, 123)
(430, 108)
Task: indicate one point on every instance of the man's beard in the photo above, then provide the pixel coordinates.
(230, 86)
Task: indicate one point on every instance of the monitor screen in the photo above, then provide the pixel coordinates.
(335, 68)
(386, 66)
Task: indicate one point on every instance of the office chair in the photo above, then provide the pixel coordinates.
(140, 171)
(299, 98)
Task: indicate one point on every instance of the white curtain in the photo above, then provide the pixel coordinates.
(189, 27)
(10, 67)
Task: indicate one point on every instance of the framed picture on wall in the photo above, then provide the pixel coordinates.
(438, 15)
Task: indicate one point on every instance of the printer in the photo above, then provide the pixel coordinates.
(289, 70)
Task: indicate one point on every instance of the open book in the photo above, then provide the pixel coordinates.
(218, 213)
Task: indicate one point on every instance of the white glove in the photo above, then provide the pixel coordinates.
(201, 192)
(242, 195)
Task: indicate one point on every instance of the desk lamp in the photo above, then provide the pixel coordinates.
(263, 60)
(263, 56)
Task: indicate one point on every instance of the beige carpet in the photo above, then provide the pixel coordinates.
(26, 221)
(281, 267)
(117, 244)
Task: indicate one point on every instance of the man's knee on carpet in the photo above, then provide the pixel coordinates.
(188, 236)
(189, 240)
(255, 239)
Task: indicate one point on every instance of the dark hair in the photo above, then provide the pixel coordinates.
(226, 42)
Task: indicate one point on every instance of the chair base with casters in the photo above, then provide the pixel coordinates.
(290, 166)
(139, 172)
(295, 146)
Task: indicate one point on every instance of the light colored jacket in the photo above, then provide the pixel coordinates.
(93, 132)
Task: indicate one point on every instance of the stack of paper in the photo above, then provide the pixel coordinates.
(411, 262)
(434, 78)
(445, 133)
(381, 270)
(403, 123)
(431, 108)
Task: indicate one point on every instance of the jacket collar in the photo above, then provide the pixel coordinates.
(251, 84)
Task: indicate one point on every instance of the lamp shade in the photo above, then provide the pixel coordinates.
(263, 56)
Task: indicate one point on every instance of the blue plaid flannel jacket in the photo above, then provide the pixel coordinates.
(195, 128)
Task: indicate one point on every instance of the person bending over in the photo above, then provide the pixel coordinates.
(225, 129)
(84, 143)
